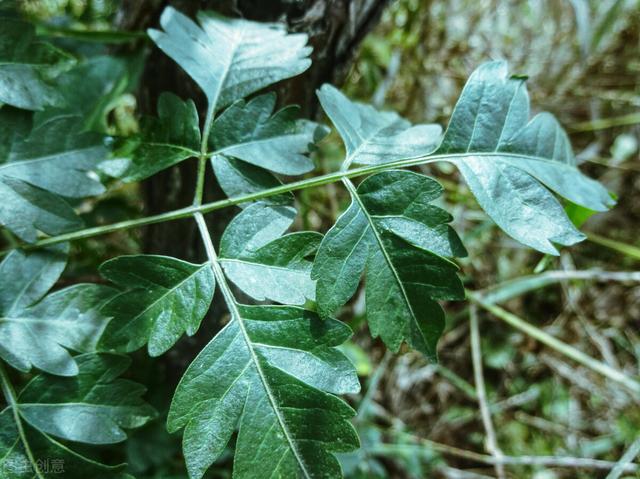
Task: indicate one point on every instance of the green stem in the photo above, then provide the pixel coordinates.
(10, 396)
(189, 211)
(620, 247)
(373, 386)
(605, 123)
(202, 170)
(556, 344)
(202, 158)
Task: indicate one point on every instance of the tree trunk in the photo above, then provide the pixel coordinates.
(335, 29)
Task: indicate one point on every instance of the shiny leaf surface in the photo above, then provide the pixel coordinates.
(93, 407)
(373, 137)
(393, 232)
(251, 132)
(162, 299)
(264, 264)
(230, 58)
(506, 159)
(270, 374)
(40, 332)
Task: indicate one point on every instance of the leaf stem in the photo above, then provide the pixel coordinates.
(363, 407)
(10, 396)
(626, 249)
(202, 170)
(189, 211)
(556, 344)
(202, 158)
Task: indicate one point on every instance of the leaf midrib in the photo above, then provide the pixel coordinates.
(235, 314)
(162, 297)
(372, 225)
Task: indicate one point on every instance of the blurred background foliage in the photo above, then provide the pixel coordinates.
(417, 419)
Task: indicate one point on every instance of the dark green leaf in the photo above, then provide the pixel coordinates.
(163, 299)
(230, 58)
(393, 232)
(264, 264)
(504, 158)
(93, 407)
(165, 141)
(265, 374)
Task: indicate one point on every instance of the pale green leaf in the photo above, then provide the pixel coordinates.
(27, 65)
(237, 178)
(40, 332)
(39, 169)
(264, 374)
(506, 159)
(163, 298)
(230, 58)
(264, 264)
(374, 137)
(251, 132)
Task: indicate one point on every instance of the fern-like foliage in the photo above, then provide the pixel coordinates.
(273, 373)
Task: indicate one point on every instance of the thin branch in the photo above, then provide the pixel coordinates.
(629, 455)
(190, 211)
(363, 407)
(476, 357)
(515, 287)
(556, 344)
(539, 461)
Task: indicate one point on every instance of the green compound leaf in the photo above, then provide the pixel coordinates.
(26, 67)
(39, 169)
(52, 458)
(163, 298)
(164, 141)
(230, 58)
(506, 159)
(374, 137)
(93, 407)
(393, 232)
(37, 331)
(263, 263)
(264, 374)
(251, 132)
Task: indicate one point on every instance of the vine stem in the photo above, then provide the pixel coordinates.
(553, 342)
(10, 396)
(189, 211)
